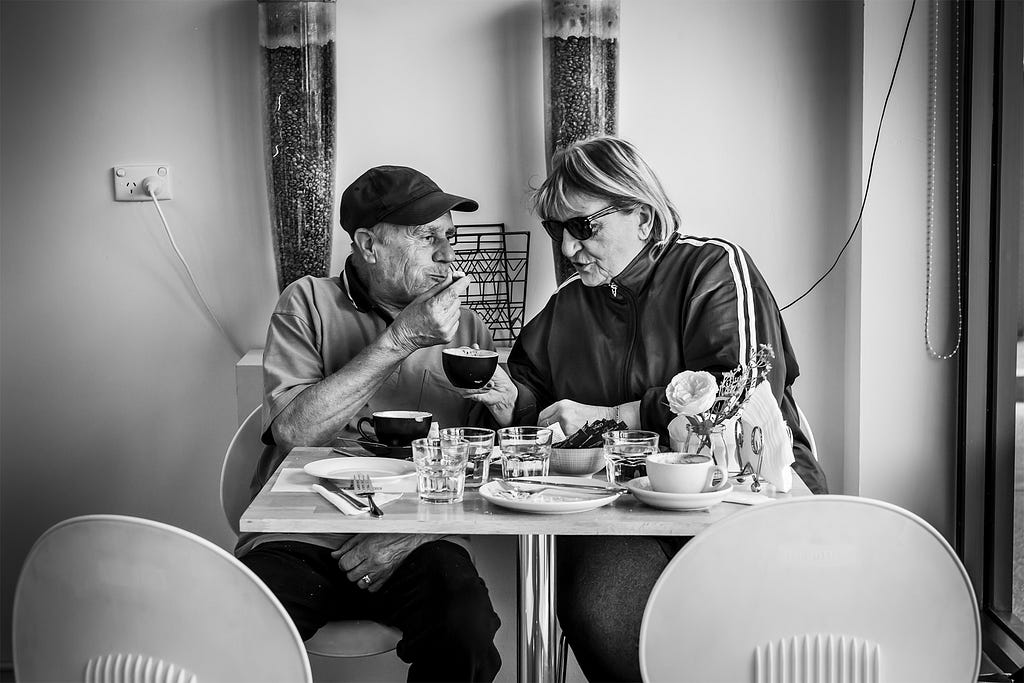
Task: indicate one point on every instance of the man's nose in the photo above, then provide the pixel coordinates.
(444, 253)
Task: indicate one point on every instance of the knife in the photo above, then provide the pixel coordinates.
(558, 484)
(349, 453)
(346, 495)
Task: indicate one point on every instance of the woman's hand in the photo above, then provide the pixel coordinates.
(499, 395)
(572, 415)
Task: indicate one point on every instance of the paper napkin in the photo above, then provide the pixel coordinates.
(742, 495)
(348, 508)
(762, 410)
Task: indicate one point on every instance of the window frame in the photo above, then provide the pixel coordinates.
(994, 66)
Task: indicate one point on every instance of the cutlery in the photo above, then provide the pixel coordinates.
(520, 494)
(363, 486)
(757, 446)
(346, 452)
(346, 495)
(512, 490)
(360, 442)
(566, 485)
(738, 431)
(325, 494)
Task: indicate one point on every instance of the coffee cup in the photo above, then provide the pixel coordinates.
(396, 428)
(469, 368)
(685, 473)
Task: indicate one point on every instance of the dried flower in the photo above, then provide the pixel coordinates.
(705, 404)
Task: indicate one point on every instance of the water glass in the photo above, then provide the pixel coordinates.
(625, 454)
(525, 451)
(440, 469)
(481, 443)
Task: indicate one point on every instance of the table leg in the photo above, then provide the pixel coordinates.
(538, 639)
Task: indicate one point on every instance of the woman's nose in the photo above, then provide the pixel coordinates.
(570, 245)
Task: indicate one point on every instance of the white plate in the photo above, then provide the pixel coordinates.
(381, 470)
(641, 488)
(550, 502)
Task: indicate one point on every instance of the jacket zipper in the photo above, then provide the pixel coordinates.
(615, 289)
(633, 325)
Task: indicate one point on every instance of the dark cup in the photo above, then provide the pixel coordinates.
(397, 428)
(468, 368)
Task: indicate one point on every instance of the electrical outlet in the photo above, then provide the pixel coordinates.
(128, 182)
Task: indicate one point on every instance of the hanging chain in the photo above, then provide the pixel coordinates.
(933, 86)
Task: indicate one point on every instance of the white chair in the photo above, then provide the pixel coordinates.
(806, 427)
(112, 598)
(345, 638)
(824, 588)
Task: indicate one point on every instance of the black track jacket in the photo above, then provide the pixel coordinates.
(700, 304)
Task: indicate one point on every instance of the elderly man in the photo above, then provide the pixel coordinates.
(341, 348)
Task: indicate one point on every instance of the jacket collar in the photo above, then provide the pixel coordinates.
(358, 293)
(635, 276)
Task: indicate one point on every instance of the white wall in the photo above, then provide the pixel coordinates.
(906, 399)
(118, 394)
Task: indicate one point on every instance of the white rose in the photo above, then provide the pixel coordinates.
(691, 393)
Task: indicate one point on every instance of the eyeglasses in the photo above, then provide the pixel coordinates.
(579, 227)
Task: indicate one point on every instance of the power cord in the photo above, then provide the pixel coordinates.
(152, 185)
(871, 166)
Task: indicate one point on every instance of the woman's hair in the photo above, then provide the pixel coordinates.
(609, 168)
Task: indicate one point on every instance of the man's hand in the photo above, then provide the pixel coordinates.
(431, 318)
(376, 556)
(572, 415)
(499, 395)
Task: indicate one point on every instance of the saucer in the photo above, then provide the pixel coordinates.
(641, 489)
(379, 449)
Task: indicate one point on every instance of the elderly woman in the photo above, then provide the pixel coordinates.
(646, 302)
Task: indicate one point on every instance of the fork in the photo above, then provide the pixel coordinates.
(520, 494)
(363, 486)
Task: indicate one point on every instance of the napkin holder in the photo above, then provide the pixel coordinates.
(774, 463)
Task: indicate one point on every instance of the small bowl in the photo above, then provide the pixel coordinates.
(580, 461)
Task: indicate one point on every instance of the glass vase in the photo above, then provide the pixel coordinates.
(297, 46)
(716, 442)
(581, 73)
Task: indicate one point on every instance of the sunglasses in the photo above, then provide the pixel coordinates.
(580, 227)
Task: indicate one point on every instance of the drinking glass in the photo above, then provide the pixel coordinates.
(440, 469)
(625, 454)
(525, 451)
(481, 443)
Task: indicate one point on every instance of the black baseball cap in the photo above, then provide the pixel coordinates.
(396, 194)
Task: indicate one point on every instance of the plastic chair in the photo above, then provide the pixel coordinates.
(106, 597)
(345, 638)
(806, 427)
(825, 588)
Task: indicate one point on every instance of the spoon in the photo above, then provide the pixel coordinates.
(757, 446)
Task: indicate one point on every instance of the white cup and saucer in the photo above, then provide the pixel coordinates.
(681, 481)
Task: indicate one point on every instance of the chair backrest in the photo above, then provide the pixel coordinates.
(107, 597)
(239, 465)
(805, 425)
(823, 588)
(345, 638)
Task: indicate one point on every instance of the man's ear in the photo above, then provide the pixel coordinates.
(365, 242)
(646, 221)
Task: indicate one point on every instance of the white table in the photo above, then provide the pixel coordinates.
(307, 512)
